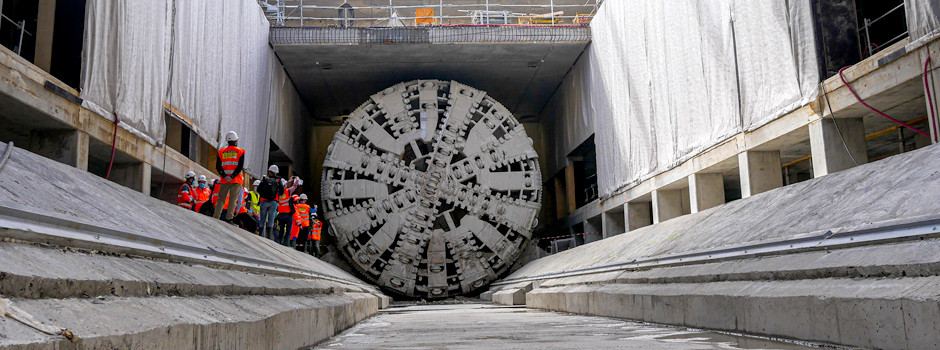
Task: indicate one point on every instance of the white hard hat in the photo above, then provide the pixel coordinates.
(283, 182)
(273, 168)
(190, 175)
(256, 183)
(231, 136)
(202, 178)
(303, 197)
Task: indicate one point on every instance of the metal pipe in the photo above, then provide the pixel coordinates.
(19, 46)
(879, 233)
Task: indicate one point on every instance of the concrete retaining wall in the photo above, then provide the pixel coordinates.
(882, 294)
(116, 295)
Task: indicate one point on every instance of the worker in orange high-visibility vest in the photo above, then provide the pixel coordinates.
(185, 197)
(315, 228)
(230, 164)
(302, 220)
(294, 226)
(202, 192)
(283, 222)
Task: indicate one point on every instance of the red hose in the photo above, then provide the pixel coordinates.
(876, 110)
(933, 116)
(113, 146)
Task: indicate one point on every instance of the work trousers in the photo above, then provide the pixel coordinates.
(234, 193)
(268, 212)
(282, 226)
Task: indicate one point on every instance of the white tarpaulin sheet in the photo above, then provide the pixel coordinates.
(125, 62)
(923, 17)
(664, 80)
(209, 59)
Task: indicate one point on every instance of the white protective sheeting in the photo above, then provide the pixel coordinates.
(222, 75)
(125, 62)
(923, 17)
(665, 80)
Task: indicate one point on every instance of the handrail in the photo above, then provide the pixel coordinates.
(891, 231)
(33, 226)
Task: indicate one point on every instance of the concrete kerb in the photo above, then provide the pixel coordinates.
(245, 323)
(891, 315)
(512, 296)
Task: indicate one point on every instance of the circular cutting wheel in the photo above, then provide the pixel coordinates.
(431, 189)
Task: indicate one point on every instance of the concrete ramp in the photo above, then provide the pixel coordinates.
(850, 258)
(86, 263)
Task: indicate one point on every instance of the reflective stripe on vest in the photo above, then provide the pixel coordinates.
(255, 202)
(315, 230)
(229, 156)
(302, 215)
(283, 203)
(184, 197)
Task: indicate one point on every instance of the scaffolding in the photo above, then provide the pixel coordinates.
(294, 13)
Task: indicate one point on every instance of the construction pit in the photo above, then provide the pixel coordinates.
(547, 174)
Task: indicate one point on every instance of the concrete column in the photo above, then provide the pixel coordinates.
(570, 189)
(637, 215)
(613, 223)
(829, 153)
(81, 150)
(146, 174)
(64, 146)
(45, 24)
(933, 77)
(760, 172)
(706, 191)
(667, 204)
(561, 207)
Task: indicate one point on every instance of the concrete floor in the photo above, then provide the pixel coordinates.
(485, 326)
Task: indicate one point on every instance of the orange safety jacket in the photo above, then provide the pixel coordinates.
(302, 215)
(184, 198)
(315, 230)
(243, 208)
(283, 202)
(230, 157)
(202, 196)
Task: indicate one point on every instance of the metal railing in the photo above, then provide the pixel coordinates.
(870, 47)
(20, 25)
(280, 12)
(437, 34)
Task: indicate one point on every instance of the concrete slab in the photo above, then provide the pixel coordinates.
(853, 312)
(32, 182)
(479, 326)
(244, 322)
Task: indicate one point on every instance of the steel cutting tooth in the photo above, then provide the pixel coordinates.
(431, 188)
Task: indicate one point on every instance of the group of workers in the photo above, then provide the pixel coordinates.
(270, 208)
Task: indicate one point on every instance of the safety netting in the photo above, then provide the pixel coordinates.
(208, 59)
(663, 81)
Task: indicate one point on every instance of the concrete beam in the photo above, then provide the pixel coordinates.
(829, 152)
(760, 172)
(669, 204)
(707, 190)
(637, 214)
